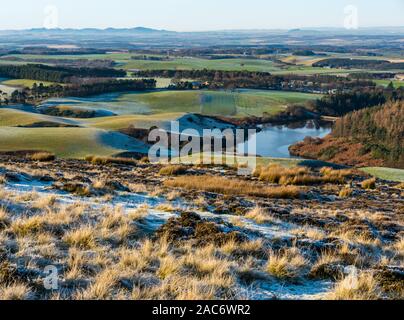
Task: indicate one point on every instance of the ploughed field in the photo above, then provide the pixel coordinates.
(123, 229)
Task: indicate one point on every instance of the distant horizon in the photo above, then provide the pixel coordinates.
(209, 15)
(307, 28)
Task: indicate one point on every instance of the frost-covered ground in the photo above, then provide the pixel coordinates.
(118, 232)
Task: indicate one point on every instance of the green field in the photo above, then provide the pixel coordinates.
(299, 65)
(237, 103)
(141, 110)
(13, 118)
(67, 142)
(386, 173)
(125, 121)
(385, 83)
(25, 83)
(229, 103)
(124, 61)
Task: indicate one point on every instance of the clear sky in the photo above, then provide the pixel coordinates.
(196, 15)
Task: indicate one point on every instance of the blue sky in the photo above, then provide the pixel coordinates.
(195, 15)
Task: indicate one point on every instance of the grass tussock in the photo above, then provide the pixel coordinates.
(286, 264)
(3, 179)
(4, 219)
(22, 227)
(274, 173)
(139, 214)
(356, 287)
(369, 184)
(16, 291)
(111, 160)
(43, 156)
(345, 193)
(260, 215)
(83, 238)
(232, 187)
(277, 174)
(173, 170)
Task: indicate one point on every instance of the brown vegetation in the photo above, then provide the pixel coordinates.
(43, 156)
(232, 187)
(111, 160)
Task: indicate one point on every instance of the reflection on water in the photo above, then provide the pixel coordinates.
(274, 141)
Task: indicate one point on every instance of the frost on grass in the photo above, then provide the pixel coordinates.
(125, 230)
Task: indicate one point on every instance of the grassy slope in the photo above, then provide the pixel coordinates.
(240, 103)
(124, 121)
(67, 142)
(13, 118)
(385, 83)
(25, 83)
(386, 173)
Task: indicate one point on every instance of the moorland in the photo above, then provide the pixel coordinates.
(79, 193)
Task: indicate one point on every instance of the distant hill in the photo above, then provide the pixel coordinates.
(95, 30)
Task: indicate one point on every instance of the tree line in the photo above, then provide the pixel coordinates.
(40, 92)
(380, 130)
(56, 74)
(218, 79)
(344, 102)
(346, 63)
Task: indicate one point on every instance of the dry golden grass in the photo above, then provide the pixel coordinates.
(309, 232)
(260, 215)
(139, 214)
(399, 247)
(245, 248)
(43, 156)
(203, 262)
(111, 160)
(27, 196)
(45, 201)
(399, 186)
(330, 172)
(27, 226)
(173, 170)
(286, 264)
(237, 222)
(102, 286)
(166, 207)
(75, 262)
(356, 237)
(232, 187)
(83, 238)
(356, 287)
(15, 291)
(345, 193)
(169, 265)
(132, 260)
(99, 183)
(274, 173)
(173, 195)
(137, 188)
(4, 218)
(299, 175)
(109, 252)
(369, 184)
